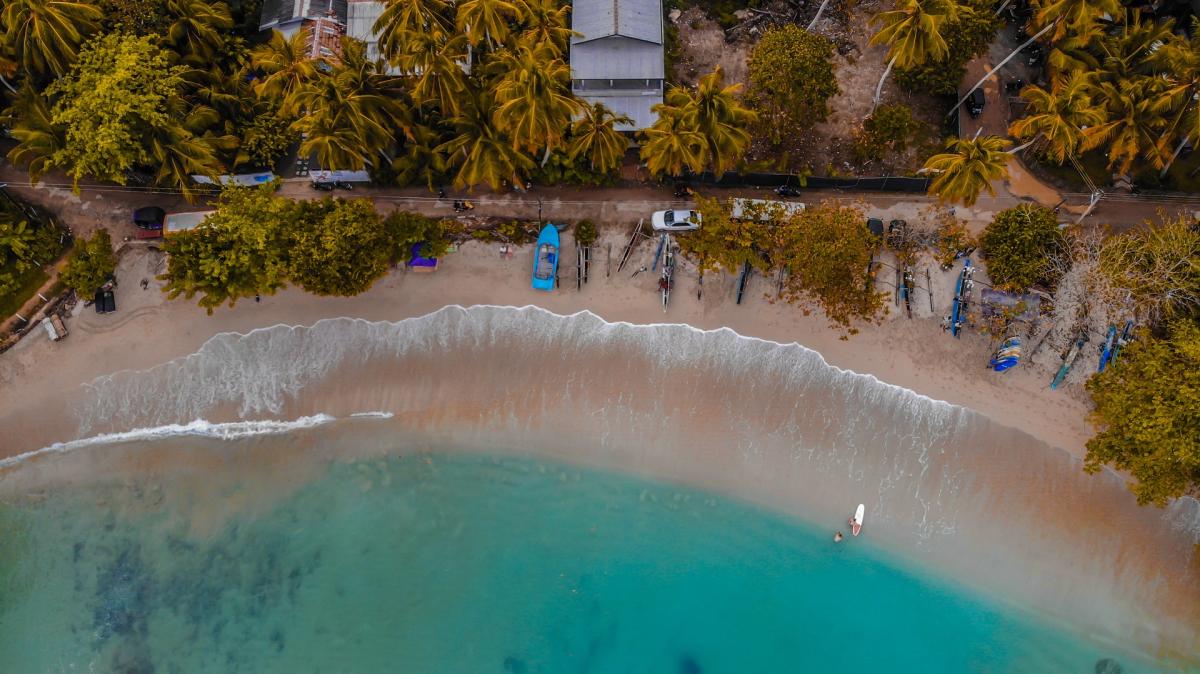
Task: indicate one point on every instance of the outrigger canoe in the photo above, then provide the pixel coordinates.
(545, 259)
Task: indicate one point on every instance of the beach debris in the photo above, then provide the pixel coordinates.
(633, 241)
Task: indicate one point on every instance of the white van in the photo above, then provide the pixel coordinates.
(763, 210)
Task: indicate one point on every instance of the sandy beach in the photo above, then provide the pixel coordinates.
(915, 354)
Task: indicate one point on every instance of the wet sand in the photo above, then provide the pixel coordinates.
(36, 375)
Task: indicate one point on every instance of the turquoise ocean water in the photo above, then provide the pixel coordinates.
(467, 564)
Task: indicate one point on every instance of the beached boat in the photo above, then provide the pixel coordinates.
(1069, 359)
(1106, 351)
(1007, 356)
(1126, 335)
(545, 259)
(958, 309)
(667, 280)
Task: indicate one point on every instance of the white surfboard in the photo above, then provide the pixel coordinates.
(857, 522)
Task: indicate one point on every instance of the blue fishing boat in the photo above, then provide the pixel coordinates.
(1069, 359)
(1106, 351)
(958, 307)
(545, 259)
(1126, 335)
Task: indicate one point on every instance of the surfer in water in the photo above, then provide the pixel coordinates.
(837, 538)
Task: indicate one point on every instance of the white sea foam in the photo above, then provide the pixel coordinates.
(373, 415)
(198, 427)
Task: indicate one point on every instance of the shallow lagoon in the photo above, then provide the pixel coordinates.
(445, 563)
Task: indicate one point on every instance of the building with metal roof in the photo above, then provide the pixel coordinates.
(286, 16)
(618, 60)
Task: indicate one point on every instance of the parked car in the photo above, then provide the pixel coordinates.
(675, 221)
(110, 301)
(875, 225)
(149, 217)
(975, 103)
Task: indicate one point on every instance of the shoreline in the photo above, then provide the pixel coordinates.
(912, 354)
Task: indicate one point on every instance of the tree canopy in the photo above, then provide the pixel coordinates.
(1148, 414)
(118, 94)
(791, 78)
(1019, 245)
(91, 263)
(336, 247)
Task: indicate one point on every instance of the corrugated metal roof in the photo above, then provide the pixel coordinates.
(360, 23)
(617, 58)
(635, 107)
(282, 12)
(638, 19)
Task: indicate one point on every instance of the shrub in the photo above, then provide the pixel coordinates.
(1019, 245)
(585, 232)
(791, 79)
(90, 264)
(885, 131)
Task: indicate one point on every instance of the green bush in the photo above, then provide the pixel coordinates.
(585, 232)
(791, 79)
(886, 131)
(1019, 245)
(90, 265)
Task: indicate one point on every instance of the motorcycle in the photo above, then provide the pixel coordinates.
(787, 191)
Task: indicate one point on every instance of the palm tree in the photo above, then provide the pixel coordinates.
(546, 22)
(721, 120)
(479, 151)
(31, 125)
(533, 98)
(595, 136)
(486, 21)
(913, 33)
(967, 168)
(402, 19)
(1127, 52)
(45, 35)
(15, 238)
(673, 144)
(285, 67)
(197, 26)
(421, 158)
(8, 68)
(1075, 23)
(1179, 58)
(353, 112)
(1062, 121)
(1135, 122)
(432, 61)
(180, 155)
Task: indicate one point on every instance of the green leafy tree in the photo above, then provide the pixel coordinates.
(1145, 412)
(16, 238)
(115, 98)
(888, 129)
(826, 250)
(967, 168)
(235, 253)
(45, 35)
(791, 79)
(137, 17)
(90, 265)
(1019, 245)
(594, 136)
(723, 243)
(264, 141)
(337, 247)
(406, 230)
